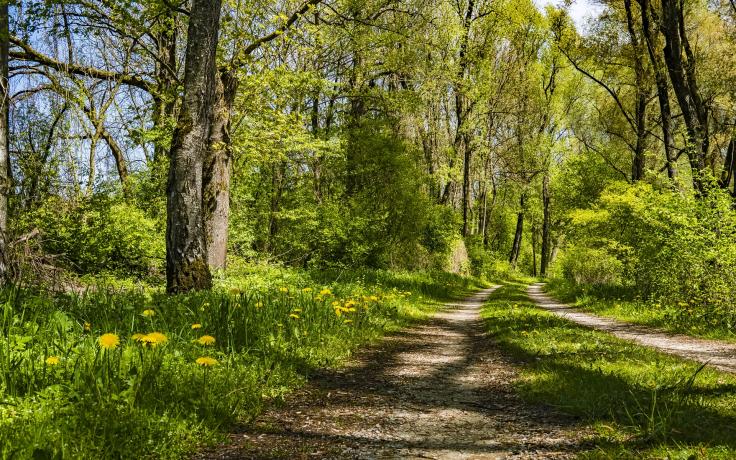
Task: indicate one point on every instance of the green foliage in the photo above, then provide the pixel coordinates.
(97, 234)
(677, 250)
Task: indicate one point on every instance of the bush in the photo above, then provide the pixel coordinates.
(97, 234)
(593, 267)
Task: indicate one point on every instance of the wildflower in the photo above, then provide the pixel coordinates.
(109, 341)
(148, 313)
(138, 337)
(294, 316)
(284, 289)
(52, 360)
(206, 361)
(206, 340)
(338, 311)
(325, 292)
(196, 326)
(374, 298)
(348, 321)
(307, 289)
(153, 339)
(87, 327)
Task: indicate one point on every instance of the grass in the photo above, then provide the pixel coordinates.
(618, 303)
(69, 391)
(639, 403)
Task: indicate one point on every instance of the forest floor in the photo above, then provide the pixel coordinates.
(720, 355)
(441, 389)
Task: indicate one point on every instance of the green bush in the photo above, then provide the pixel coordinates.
(100, 233)
(593, 267)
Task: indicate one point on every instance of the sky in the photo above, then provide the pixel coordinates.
(580, 10)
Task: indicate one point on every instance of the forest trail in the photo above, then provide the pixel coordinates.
(718, 354)
(438, 390)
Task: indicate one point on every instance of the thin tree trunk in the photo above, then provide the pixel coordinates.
(5, 185)
(516, 248)
(186, 250)
(639, 160)
(534, 247)
(663, 95)
(546, 226)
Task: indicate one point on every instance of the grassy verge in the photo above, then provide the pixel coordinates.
(137, 374)
(640, 403)
(683, 319)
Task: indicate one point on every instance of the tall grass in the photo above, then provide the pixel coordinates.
(136, 373)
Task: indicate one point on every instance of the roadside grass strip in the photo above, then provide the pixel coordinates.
(639, 402)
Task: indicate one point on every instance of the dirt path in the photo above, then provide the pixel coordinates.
(439, 390)
(717, 354)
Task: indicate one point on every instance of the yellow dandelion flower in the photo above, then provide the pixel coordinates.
(138, 337)
(206, 361)
(196, 326)
(153, 339)
(52, 360)
(374, 298)
(87, 327)
(109, 341)
(307, 289)
(148, 313)
(206, 340)
(284, 289)
(294, 316)
(325, 292)
(338, 311)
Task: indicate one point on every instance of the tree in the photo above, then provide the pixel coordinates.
(4, 137)
(186, 250)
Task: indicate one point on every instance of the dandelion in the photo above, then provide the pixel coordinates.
(284, 289)
(109, 341)
(206, 340)
(52, 360)
(206, 361)
(155, 338)
(325, 292)
(138, 337)
(196, 326)
(338, 311)
(307, 289)
(148, 313)
(87, 327)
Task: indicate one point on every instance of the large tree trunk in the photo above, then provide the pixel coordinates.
(546, 226)
(186, 251)
(663, 95)
(217, 171)
(516, 248)
(4, 139)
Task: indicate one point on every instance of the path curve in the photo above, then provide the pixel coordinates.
(438, 390)
(720, 355)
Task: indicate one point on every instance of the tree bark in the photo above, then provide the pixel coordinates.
(639, 160)
(5, 185)
(663, 95)
(217, 171)
(684, 84)
(546, 226)
(186, 250)
(462, 138)
(516, 248)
